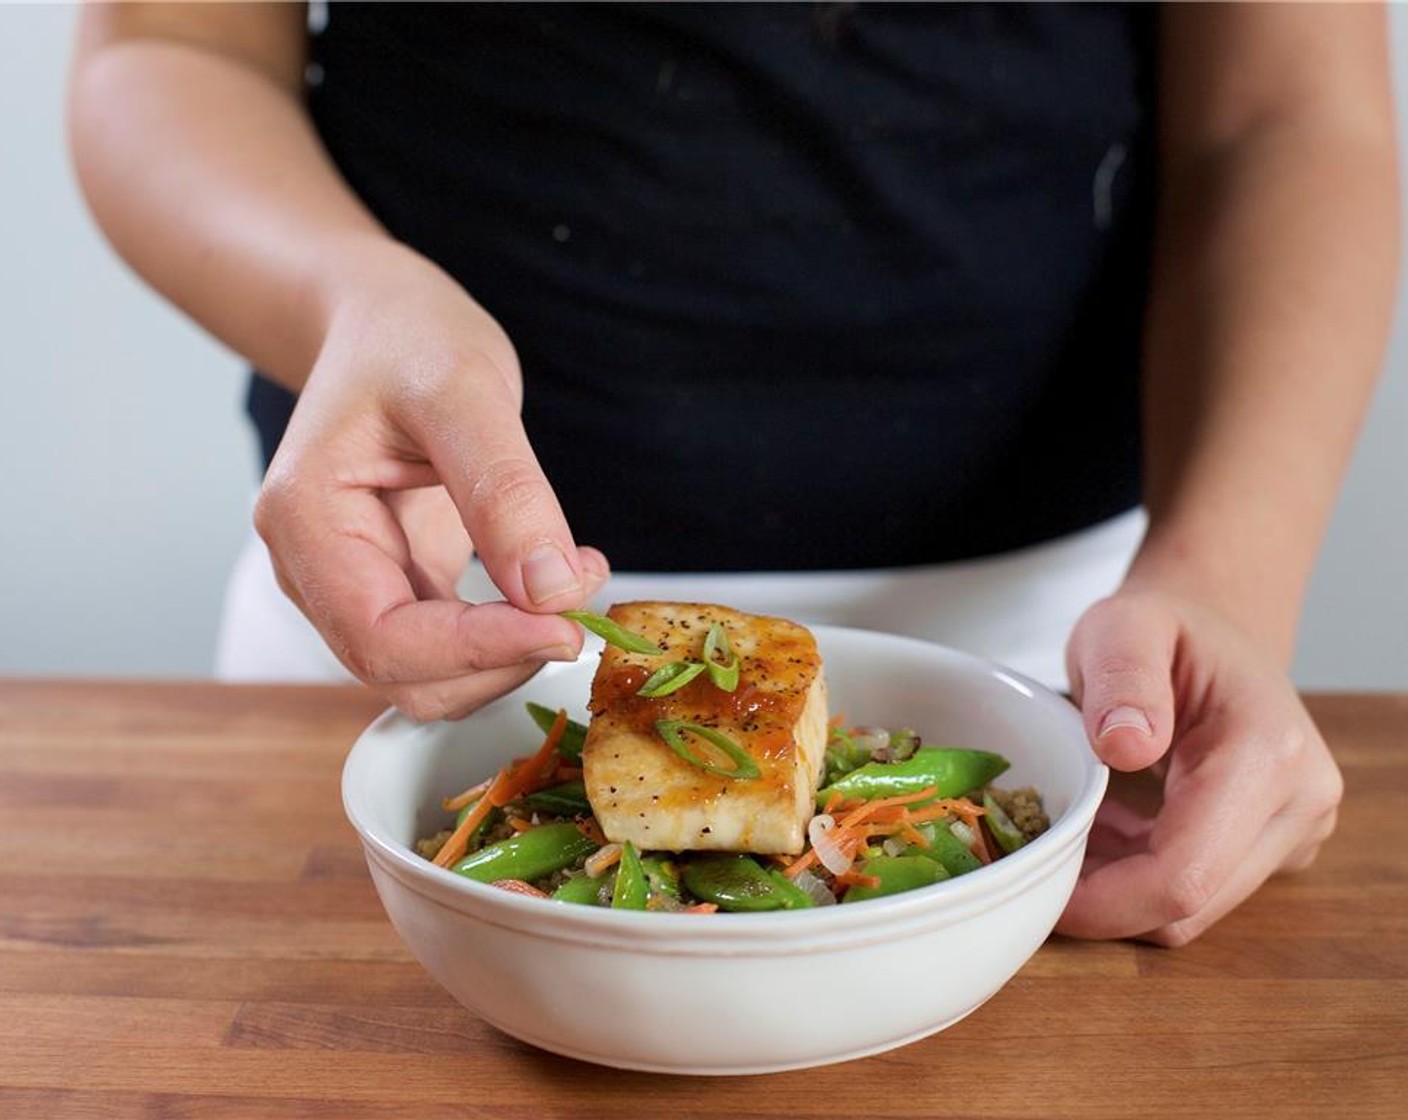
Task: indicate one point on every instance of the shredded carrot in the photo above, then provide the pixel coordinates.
(834, 800)
(529, 776)
(913, 835)
(797, 866)
(588, 827)
(567, 773)
(801, 863)
(859, 821)
(927, 813)
(518, 824)
(455, 804)
(962, 807)
(458, 843)
(856, 879)
(701, 908)
(865, 808)
(512, 781)
(518, 886)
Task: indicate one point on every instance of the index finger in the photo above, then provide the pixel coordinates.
(350, 568)
(508, 507)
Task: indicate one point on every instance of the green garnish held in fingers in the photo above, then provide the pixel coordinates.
(612, 633)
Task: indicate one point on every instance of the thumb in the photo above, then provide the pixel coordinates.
(1120, 662)
(507, 505)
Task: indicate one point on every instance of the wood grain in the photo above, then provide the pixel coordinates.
(187, 930)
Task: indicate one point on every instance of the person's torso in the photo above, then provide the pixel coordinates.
(793, 286)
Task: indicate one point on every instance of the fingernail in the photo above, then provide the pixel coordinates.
(552, 653)
(1125, 716)
(546, 574)
(596, 575)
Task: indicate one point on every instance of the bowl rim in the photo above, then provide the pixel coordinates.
(948, 902)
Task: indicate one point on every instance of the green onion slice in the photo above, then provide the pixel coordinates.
(673, 731)
(723, 673)
(612, 633)
(669, 678)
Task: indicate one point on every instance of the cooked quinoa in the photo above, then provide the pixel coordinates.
(1024, 807)
(431, 845)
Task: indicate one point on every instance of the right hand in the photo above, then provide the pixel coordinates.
(405, 455)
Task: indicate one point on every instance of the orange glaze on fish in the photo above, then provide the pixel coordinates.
(642, 791)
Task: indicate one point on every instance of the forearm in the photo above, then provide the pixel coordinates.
(248, 227)
(1275, 265)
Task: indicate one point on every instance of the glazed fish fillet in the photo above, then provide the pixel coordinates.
(642, 791)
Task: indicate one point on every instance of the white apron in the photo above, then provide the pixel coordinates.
(1017, 608)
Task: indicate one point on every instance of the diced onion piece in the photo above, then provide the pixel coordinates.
(827, 850)
(820, 893)
(964, 833)
(894, 847)
(870, 739)
(602, 860)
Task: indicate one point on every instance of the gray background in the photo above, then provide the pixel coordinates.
(128, 471)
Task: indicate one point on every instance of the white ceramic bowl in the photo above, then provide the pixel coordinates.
(734, 993)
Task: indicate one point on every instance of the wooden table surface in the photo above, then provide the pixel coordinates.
(187, 930)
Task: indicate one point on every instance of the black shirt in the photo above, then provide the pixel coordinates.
(795, 286)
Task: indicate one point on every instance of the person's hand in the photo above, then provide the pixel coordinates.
(1249, 786)
(405, 446)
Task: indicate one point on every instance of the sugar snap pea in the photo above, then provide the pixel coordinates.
(946, 848)
(903, 744)
(896, 874)
(529, 855)
(631, 891)
(842, 755)
(567, 799)
(737, 883)
(953, 771)
(1008, 836)
(581, 889)
(793, 897)
(491, 818)
(663, 875)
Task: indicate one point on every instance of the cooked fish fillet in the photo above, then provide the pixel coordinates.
(643, 792)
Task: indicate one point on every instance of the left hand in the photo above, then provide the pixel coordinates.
(1250, 787)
